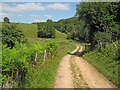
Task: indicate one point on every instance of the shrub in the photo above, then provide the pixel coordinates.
(11, 34)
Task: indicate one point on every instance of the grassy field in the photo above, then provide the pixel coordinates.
(30, 32)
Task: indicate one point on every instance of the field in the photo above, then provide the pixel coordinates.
(30, 32)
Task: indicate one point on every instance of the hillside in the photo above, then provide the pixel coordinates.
(30, 32)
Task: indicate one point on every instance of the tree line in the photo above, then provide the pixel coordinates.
(102, 19)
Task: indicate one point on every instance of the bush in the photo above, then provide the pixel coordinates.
(51, 48)
(11, 34)
(6, 20)
(45, 30)
(19, 61)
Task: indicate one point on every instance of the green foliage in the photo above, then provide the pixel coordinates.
(51, 48)
(46, 30)
(100, 17)
(13, 61)
(74, 28)
(57, 25)
(68, 35)
(93, 18)
(71, 35)
(82, 31)
(102, 37)
(67, 25)
(11, 34)
(49, 20)
(6, 20)
(30, 32)
(20, 60)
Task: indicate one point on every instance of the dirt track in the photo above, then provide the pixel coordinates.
(64, 78)
(90, 74)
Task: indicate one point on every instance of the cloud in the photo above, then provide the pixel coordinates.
(38, 21)
(47, 16)
(22, 7)
(20, 15)
(33, 6)
(6, 15)
(58, 6)
(34, 15)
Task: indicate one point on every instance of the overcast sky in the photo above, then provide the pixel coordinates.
(28, 12)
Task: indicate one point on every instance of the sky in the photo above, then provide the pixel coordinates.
(28, 12)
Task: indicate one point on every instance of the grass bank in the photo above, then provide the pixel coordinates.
(106, 61)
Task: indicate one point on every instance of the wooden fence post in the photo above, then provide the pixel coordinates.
(44, 55)
(36, 58)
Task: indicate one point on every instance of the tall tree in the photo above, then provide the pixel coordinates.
(100, 17)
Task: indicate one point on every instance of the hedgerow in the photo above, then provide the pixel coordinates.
(21, 59)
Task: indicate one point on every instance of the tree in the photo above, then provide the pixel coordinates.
(101, 38)
(49, 20)
(45, 30)
(101, 17)
(68, 35)
(6, 20)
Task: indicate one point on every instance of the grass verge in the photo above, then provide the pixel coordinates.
(44, 76)
(105, 60)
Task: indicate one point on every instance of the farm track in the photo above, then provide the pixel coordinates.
(93, 78)
(91, 75)
(64, 77)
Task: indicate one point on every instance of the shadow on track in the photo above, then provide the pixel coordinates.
(79, 54)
